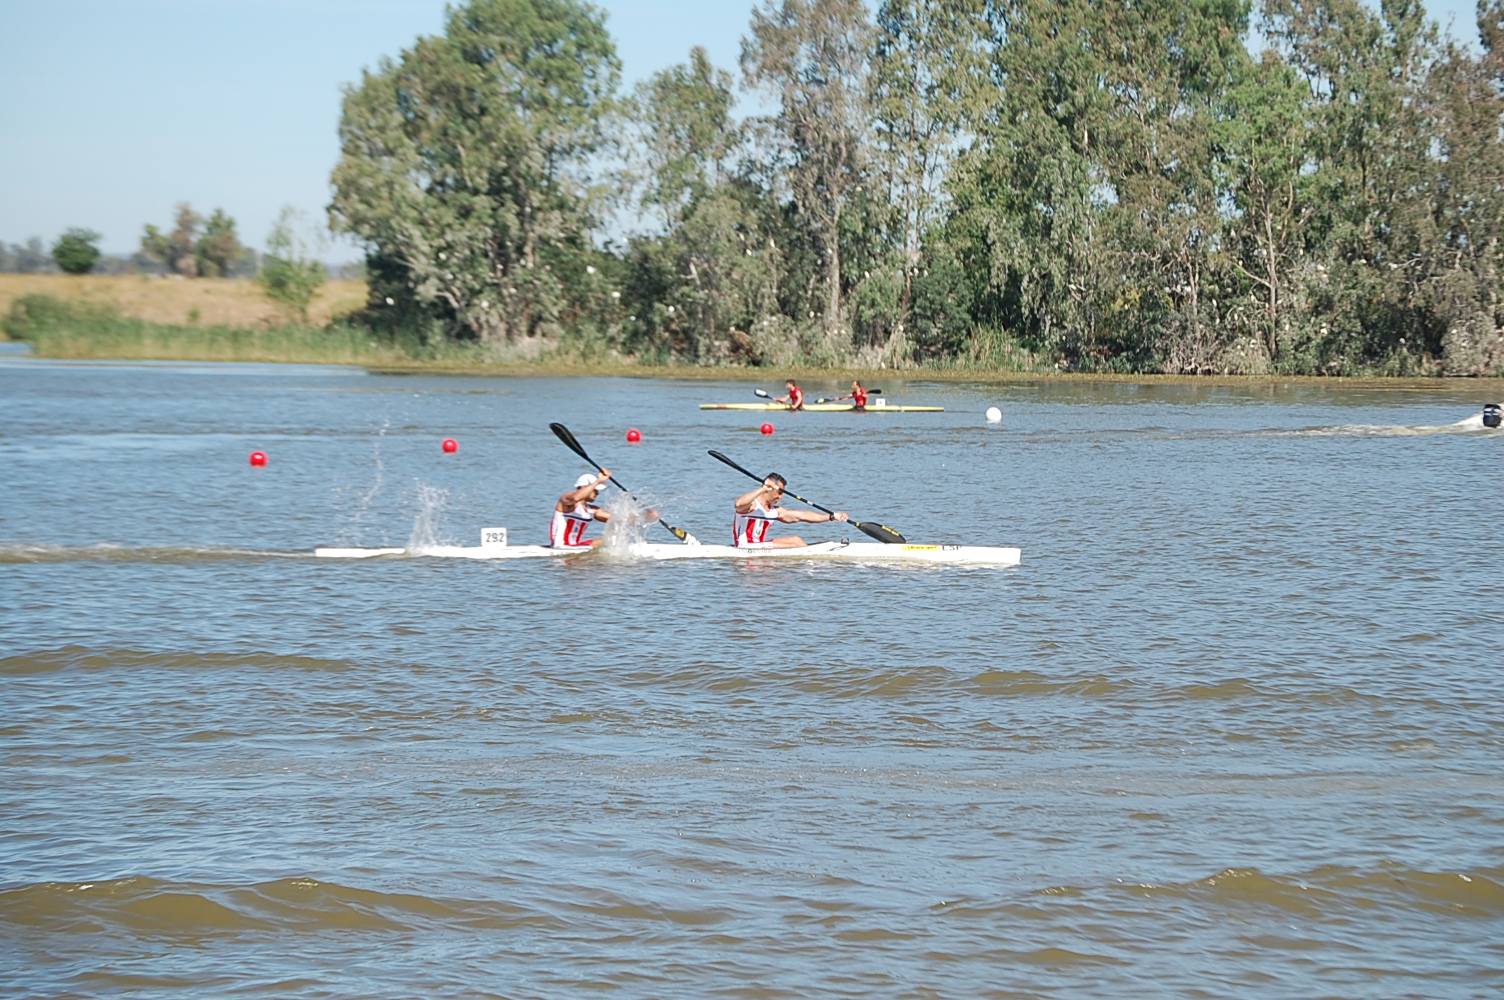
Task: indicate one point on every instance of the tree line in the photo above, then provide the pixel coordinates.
(1079, 184)
(289, 272)
(194, 247)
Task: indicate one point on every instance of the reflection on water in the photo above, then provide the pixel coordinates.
(1232, 729)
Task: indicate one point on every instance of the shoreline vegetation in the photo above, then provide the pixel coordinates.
(946, 189)
(120, 318)
(1017, 185)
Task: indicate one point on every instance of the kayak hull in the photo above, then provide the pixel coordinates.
(860, 552)
(823, 408)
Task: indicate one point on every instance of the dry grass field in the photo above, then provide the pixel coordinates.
(230, 302)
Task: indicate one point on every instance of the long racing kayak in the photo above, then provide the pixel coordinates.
(873, 407)
(964, 555)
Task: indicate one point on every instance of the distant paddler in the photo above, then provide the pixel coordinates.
(756, 511)
(857, 395)
(793, 398)
(1491, 417)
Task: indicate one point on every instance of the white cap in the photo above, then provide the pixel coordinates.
(586, 480)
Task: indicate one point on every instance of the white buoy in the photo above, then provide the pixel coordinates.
(994, 415)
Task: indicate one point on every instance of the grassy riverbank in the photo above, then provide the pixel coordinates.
(167, 301)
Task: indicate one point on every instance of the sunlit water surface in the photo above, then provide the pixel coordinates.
(1234, 727)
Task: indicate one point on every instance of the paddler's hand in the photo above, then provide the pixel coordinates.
(650, 516)
(605, 478)
(839, 515)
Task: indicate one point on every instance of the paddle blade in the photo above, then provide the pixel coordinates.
(562, 433)
(678, 533)
(761, 392)
(881, 532)
(722, 458)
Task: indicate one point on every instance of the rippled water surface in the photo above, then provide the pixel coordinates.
(1234, 727)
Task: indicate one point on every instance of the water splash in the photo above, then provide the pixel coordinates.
(431, 504)
(628, 525)
(1469, 426)
(354, 527)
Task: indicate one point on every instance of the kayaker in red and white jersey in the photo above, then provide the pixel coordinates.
(858, 396)
(794, 398)
(573, 513)
(756, 511)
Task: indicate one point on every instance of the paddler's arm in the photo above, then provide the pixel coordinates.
(812, 516)
(744, 502)
(583, 493)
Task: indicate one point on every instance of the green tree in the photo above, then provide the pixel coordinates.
(1170, 67)
(929, 79)
(77, 251)
(176, 250)
(700, 288)
(1448, 238)
(685, 130)
(1264, 139)
(219, 248)
(1366, 149)
(466, 163)
(812, 57)
(290, 272)
(193, 248)
(1028, 192)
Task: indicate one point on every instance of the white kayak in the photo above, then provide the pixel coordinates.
(965, 555)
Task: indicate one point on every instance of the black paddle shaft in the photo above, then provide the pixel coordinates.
(881, 532)
(562, 433)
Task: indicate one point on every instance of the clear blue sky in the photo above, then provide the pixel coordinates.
(112, 111)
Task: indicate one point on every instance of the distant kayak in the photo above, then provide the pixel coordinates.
(876, 406)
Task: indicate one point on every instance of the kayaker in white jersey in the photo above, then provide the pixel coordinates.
(756, 512)
(573, 513)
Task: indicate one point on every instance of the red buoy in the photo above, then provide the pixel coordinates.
(767, 428)
(633, 435)
(451, 446)
(258, 458)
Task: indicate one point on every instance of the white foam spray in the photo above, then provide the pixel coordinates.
(354, 527)
(628, 525)
(431, 504)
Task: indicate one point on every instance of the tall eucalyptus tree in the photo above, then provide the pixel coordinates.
(466, 163)
(930, 79)
(701, 284)
(812, 57)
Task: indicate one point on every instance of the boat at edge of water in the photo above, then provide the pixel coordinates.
(874, 407)
(963, 555)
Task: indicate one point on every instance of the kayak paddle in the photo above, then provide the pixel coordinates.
(563, 434)
(837, 399)
(881, 532)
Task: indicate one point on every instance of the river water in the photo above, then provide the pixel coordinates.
(1233, 728)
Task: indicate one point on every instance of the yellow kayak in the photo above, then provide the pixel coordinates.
(876, 406)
